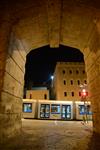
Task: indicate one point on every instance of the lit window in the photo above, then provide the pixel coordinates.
(65, 93)
(55, 109)
(27, 107)
(89, 110)
(81, 109)
(45, 111)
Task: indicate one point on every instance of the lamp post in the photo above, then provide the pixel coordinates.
(51, 88)
(52, 77)
(84, 95)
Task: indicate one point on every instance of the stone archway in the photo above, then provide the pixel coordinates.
(53, 23)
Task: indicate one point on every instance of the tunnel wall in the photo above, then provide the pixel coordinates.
(12, 88)
(92, 61)
(44, 22)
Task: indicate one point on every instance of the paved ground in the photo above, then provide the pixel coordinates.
(54, 135)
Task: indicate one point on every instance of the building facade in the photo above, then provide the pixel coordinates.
(38, 93)
(67, 79)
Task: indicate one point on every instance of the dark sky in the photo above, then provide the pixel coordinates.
(40, 63)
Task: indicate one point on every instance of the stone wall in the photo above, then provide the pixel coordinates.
(5, 27)
(12, 89)
(92, 60)
(37, 24)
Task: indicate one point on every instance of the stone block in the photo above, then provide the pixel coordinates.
(10, 103)
(14, 70)
(14, 53)
(12, 86)
(10, 125)
(18, 44)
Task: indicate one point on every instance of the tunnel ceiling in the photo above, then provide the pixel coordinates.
(41, 22)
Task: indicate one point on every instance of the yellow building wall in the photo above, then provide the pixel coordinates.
(37, 94)
(62, 74)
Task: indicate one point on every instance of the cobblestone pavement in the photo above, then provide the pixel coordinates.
(54, 135)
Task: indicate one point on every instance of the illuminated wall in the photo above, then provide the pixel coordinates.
(67, 79)
(37, 94)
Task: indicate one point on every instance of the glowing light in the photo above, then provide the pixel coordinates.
(52, 77)
(84, 90)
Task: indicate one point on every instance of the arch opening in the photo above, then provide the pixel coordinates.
(14, 51)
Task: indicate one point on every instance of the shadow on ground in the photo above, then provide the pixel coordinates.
(94, 143)
(51, 135)
(27, 142)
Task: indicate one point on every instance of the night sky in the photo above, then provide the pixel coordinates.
(40, 63)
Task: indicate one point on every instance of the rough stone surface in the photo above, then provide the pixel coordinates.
(53, 135)
(25, 25)
(12, 68)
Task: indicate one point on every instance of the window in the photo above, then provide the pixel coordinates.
(45, 111)
(85, 110)
(45, 96)
(89, 110)
(78, 82)
(83, 71)
(63, 71)
(70, 71)
(27, 107)
(79, 93)
(31, 96)
(72, 93)
(81, 109)
(65, 93)
(77, 72)
(85, 81)
(55, 108)
(64, 82)
(71, 82)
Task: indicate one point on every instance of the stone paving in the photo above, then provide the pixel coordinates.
(53, 135)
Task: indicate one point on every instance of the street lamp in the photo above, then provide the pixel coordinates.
(52, 77)
(84, 91)
(51, 88)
